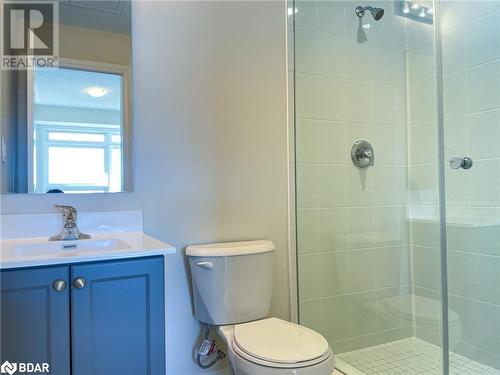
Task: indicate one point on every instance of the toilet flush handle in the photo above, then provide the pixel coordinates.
(206, 265)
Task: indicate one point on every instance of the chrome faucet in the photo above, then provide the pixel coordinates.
(70, 230)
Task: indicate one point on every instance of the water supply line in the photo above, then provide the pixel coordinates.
(208, 347)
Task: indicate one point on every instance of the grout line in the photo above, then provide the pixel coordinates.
(352, 80)
(477, 301)
(474, 253)
(353, 293)
(470, 67)
(354, 123)
(348, 37)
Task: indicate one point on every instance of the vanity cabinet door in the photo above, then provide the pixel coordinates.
(118, 318)
(34, 310)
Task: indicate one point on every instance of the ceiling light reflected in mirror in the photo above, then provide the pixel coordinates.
(96, 92)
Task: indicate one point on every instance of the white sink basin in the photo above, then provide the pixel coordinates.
(72, 248)
(24, 239)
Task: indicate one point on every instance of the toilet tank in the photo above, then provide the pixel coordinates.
(232, 281)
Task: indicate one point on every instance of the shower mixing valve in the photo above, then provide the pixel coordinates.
(362, 154)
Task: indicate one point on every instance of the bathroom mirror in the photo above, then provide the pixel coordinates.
(67, 129)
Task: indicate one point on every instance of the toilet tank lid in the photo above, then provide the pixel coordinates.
(224, 249)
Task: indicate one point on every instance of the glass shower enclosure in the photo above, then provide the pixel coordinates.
(395, 117)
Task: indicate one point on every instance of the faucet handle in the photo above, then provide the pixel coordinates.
(70, 230)
(69, 212)
(64, 207)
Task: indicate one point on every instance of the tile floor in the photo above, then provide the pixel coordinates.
(410, 356)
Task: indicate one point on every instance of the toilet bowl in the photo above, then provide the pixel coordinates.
(274, 346)
(232, 289)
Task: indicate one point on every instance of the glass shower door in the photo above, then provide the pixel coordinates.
(470, 38)
(368, 259)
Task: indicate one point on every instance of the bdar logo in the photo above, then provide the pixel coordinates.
(8, 368)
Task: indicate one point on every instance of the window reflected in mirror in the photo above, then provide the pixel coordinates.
(77, 131)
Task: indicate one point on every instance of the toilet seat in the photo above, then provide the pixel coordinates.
(277, 343)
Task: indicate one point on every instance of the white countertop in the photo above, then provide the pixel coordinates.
(24, 239)
(139, 245)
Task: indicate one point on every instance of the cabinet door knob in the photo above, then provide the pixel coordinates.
(79, 283)
(59, 285)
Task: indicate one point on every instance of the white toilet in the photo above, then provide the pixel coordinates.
(232, 285)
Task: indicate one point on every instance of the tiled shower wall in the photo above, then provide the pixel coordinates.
(471, 52)
(353, 244)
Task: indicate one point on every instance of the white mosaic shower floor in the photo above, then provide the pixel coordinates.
(410, 357)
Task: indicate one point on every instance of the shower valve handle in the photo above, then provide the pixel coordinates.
(362, 154)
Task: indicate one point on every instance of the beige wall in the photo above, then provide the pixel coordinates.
(210, 142)
(94, 45)
(75, 114)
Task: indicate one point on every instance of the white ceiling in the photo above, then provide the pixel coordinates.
(105, 15)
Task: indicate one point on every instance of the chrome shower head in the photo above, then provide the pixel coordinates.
(377, 13)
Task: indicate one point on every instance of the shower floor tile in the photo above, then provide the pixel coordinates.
(410, 356)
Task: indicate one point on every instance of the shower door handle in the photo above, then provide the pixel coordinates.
(457, 162)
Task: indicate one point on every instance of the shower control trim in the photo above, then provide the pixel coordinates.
(362, 154)
(457, 162)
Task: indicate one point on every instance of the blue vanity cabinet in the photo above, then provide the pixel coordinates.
(117, 315)
(102, 318)
(34, 308)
